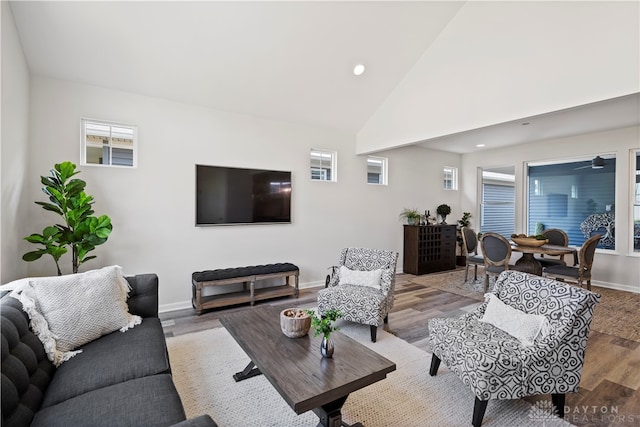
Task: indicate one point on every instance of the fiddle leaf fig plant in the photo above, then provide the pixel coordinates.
(81, 231)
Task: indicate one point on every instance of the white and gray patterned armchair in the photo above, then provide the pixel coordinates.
(496, 365)
(361, 287)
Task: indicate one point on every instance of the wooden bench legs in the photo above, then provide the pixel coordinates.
(249, 292)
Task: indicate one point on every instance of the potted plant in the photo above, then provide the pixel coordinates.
(411, 215)
(324, 325)
(81, 230)
(443, 210)
(462, 222)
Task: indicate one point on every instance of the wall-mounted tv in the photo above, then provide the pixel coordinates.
(228, 196)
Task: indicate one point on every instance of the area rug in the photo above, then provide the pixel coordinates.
(617, 313)
(203, 363)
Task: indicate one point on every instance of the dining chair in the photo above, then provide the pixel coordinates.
(581, 273)
(496, 252)
(556, 237)
(470, 243)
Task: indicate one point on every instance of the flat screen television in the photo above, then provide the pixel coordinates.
(228, 196)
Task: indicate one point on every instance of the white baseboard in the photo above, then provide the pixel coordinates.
(164, 308)
(312, 285)
(616, 286)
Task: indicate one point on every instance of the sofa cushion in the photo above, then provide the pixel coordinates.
(69, 311)
(112, 359)
(148, 401)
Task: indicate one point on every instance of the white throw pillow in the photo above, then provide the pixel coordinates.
(69, 311)
(360, 278)
(523, 326)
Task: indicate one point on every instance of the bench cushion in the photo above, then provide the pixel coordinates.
(229, 273)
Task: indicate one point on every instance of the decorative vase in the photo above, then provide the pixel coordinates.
(444, 222)
(326, 347)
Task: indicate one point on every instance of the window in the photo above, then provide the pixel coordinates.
(450, 178)
(377, 170)
(323, 165)
(578, 198)
(498, 201)
(635, 185)
(108, 144)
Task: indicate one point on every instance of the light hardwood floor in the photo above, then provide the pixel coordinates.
(609, 391)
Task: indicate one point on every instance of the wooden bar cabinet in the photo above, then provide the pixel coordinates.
(429, 248)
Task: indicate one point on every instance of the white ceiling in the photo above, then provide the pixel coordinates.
(595, 117)
(288, 61)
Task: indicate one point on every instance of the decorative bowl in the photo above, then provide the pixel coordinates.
(294, 322)
(529, 241)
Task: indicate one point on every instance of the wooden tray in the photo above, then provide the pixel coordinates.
(527, 241)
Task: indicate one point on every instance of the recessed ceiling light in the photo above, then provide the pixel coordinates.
(358, 69)
(479, 145)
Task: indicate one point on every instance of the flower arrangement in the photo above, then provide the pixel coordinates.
(324, 324)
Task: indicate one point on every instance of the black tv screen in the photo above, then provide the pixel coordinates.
(226, 195)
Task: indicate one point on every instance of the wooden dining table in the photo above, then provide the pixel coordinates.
(529, 264)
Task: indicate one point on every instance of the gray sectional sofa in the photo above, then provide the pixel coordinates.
(120, 379)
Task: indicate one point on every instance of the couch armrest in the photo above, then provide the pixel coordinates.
(201, 421)
(143, 298)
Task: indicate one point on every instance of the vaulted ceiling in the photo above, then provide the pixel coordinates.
(290, 61)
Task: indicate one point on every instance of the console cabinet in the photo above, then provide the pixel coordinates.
(429, 248)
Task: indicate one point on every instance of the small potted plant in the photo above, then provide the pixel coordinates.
(462, 222)
(443, 210)
(411, 215)
(324, 325)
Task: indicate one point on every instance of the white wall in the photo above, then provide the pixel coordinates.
(13, 150)
(618, 269)
(152, 207)
(501, 61)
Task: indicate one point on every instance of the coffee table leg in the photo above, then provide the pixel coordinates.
(248, 372)
(330, 415)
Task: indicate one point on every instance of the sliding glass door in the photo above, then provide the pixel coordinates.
(498, 201)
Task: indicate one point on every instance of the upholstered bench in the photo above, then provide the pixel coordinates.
(246, 276)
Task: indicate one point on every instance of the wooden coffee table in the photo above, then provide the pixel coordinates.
(295, 367)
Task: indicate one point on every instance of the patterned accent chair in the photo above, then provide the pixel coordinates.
(496, 365)
(368, 304)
